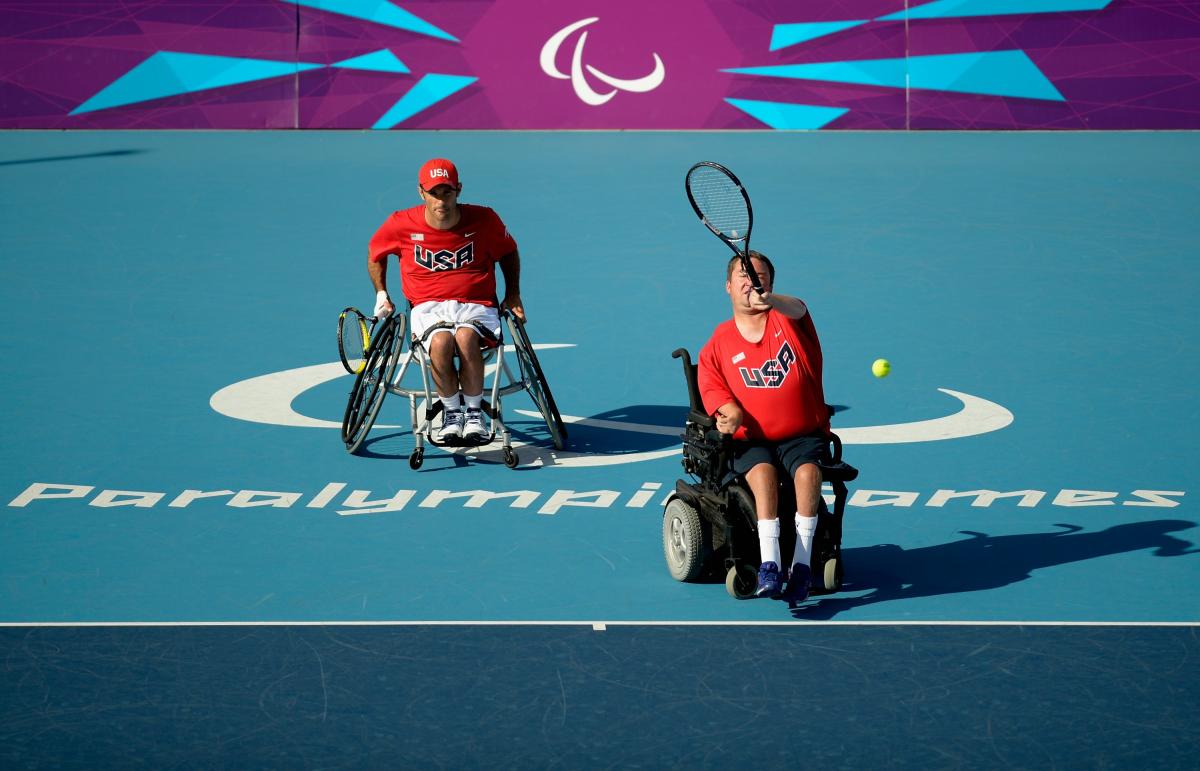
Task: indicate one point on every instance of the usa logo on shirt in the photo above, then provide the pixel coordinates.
(773, 371)
(444, 259)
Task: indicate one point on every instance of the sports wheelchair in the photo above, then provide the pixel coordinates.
(389, 353)
(710, 523)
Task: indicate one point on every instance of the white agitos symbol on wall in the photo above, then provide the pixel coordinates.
(582, 89)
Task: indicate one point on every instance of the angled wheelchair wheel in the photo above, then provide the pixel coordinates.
(741, 581)
(539, 390)
(370, 386)
(684, 544)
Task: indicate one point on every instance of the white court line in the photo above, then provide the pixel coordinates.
(596, 625)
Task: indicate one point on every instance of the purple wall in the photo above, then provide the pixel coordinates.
(1061, 64)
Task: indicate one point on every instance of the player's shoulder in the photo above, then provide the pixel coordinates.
(402, 219)
(474, 212)
(720, 333)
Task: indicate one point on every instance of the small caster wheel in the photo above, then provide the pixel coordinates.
(833, 574)
(741, 581)
(416, 459)
(510, 457)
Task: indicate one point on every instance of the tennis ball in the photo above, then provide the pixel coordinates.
(881, 368)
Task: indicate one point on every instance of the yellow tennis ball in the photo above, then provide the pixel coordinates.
(881, 368)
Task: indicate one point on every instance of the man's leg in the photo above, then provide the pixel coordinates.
(808, 490)
(802, 455)
(441, 359)
(763, 481)
(446, 379)
(470, 378)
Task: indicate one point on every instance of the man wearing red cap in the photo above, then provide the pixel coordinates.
(448, 254)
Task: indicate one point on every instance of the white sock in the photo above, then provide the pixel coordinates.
(473, 402)
(452, 402)
(806, 527)
(768, 540)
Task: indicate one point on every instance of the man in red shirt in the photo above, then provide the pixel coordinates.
(760, 377)
(448, 253)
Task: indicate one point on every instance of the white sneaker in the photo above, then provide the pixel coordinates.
(452, 425)
(474, 428)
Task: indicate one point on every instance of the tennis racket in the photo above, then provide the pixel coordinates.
(354, 337)
(723, 205)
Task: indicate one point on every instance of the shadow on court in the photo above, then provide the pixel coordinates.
(78, 157)
(631, 429)
(981, 562)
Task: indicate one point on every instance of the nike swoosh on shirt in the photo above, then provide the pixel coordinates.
(468, 235)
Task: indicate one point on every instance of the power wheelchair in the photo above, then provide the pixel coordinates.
(710, 523)
(390, 353)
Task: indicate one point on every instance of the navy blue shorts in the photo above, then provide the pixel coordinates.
(786, 455)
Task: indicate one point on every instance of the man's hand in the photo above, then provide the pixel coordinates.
(383, 305)
(729, 418)
(757, 301)
(514, 304)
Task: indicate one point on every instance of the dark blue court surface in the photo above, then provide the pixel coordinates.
(172, 396)
(627, 697)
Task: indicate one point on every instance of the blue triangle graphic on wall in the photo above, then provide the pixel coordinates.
(379, 12)
(169, 73)
(377, 61)
(784, 115)
(784, 35)
(949, 9)
(994, 73)
(428, 91)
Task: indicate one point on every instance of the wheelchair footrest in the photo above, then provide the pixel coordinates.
(458, 441)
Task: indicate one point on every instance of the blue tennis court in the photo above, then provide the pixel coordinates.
(194, 572)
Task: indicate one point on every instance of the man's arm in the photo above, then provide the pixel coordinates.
(377, 270)
(792, 307)
(714, 390)
(510, 266)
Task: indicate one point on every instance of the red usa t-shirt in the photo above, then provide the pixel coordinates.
(455, 264)
(777, 381)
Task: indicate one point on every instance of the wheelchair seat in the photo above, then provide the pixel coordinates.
(710, 522)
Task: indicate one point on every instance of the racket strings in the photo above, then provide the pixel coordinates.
(720, 201)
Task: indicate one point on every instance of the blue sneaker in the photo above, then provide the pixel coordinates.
(769, 582)
(798, 584)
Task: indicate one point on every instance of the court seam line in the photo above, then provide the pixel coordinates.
(597, 625)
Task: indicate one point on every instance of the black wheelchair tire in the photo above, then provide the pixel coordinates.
(367, 395)
(539, 390)
(684, 545)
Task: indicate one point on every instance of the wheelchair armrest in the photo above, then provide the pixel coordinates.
(838, 470)
(702, 420)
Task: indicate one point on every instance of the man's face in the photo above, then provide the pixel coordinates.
(440, 202)
(740, 287)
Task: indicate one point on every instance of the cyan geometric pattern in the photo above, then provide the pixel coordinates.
(995, 73)
(168, 73)
(784, 35)
(428, 91)
(944, 9)
(782, 115)
(376, 61)
(379, 12)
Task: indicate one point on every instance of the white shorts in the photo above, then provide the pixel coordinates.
(459, 314)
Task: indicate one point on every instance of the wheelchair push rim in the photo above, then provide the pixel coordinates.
(371, 384)
(535, 380)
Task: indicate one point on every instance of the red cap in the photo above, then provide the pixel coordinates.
(438, 171)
